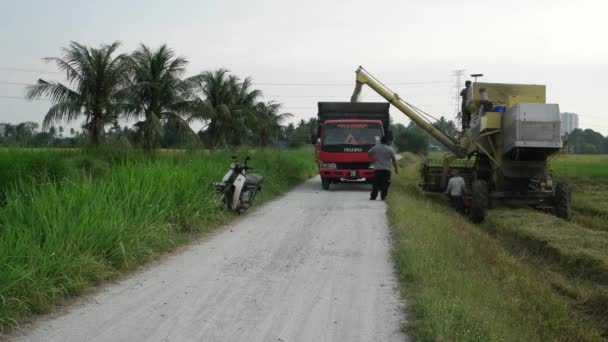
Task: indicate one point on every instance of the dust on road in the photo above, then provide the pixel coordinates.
(311, 266)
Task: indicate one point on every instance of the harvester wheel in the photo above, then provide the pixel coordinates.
(325, 183)
(483, 168)
(479, 200)
(562, 201)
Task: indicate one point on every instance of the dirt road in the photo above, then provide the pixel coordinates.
(311, 266)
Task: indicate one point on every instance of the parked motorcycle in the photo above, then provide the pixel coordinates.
(238, 189)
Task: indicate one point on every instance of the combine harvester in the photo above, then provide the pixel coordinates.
(512, 134)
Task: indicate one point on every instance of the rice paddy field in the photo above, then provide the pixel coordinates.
(73, 219)
(520, 275)
(587, 175)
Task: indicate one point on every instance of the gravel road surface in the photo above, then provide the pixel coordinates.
(310, 266)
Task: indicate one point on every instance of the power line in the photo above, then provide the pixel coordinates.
(340, 84)
(306, 96)
(29, 70)
(295, 84)
(17, 83)
(20, 98)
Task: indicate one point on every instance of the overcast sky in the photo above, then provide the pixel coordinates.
(558, 43)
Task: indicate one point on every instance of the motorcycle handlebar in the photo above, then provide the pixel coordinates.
(242, 166)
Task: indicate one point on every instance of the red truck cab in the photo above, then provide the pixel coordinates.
(345, 133)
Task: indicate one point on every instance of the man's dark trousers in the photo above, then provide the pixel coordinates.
(466, 118)
(458, 203)
(382, 180)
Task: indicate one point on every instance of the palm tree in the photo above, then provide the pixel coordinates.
(94, 79)
(215, 109)
(157, 91)
(227, 106)
(270, 121)
(245, 115)
(52, 131)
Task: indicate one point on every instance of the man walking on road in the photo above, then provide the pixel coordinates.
(382, 156)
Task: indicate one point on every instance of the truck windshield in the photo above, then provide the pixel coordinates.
(360, 134)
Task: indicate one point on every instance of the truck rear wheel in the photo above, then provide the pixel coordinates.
(325, 183)
(479, 200)
(562, 201)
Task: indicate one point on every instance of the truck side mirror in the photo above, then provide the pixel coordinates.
(313, 139)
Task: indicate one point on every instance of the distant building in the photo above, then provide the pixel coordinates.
(3, 129)
(569, 122)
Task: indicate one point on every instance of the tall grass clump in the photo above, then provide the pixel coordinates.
(59, 236)
(39, 165)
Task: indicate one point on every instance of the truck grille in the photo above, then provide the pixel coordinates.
(352, 166)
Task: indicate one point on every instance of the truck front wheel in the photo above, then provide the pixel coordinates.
(325, 183)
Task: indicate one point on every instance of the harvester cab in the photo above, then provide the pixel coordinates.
(505, 151)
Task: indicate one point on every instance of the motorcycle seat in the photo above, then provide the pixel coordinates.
(254, 178)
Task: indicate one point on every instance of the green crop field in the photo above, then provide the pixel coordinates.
(587, 176)
(69, 220)
(521, 275)
(581, 165)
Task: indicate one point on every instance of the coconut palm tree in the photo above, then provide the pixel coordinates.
(227, 106)
(158, 92)
(216, 95)
(245, 115)
(269, 120)
(94, 79)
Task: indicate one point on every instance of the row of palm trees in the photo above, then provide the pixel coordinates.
(148, 85)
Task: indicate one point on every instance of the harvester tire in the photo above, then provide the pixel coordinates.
(483, 168)
(562, 201)
(479, 200)
(325, 183)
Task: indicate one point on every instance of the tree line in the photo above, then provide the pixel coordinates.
(412, 138)
(104, 88)
(586, 141)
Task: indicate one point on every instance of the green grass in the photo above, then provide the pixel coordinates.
(589, 201)
(581, 252)
(574, 259)
(99, 213)
(463, 284)
(580, 165)
(587, 176)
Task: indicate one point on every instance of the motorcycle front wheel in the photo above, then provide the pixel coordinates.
(224, 198)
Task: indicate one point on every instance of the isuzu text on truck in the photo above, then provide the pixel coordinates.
(345, 133)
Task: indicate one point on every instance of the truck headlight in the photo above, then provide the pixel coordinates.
(329, 165)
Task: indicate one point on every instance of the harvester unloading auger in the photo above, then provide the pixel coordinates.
(512, 134)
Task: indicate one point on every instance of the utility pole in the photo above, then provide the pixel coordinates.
(458, 84)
